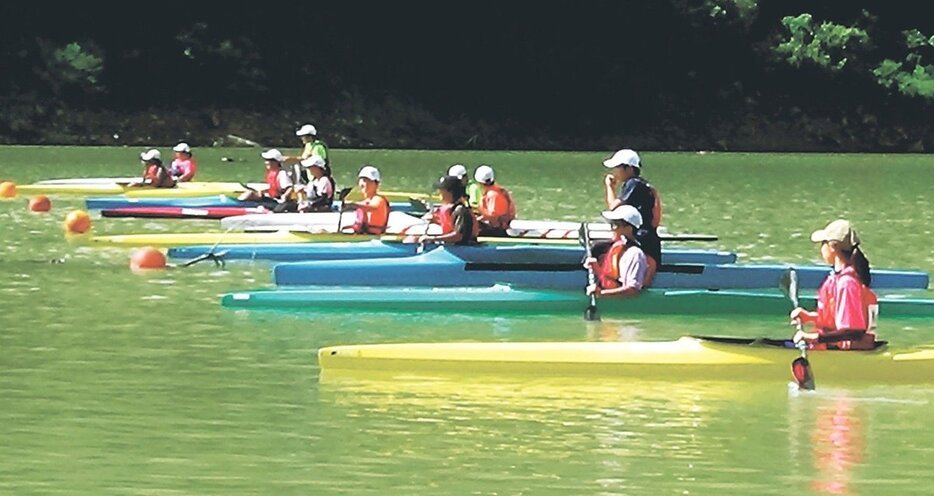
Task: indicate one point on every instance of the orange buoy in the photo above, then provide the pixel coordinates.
(7, 189)
(77, 222)
(147, 258)
(40, 203)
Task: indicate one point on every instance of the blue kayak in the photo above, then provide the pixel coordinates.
(487, 252)
(444, 268)
(115, 202)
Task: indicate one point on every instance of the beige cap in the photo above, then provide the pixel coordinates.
(151, 154)
(623, 157)
(840, 231)
(369, 172)
(272, 154)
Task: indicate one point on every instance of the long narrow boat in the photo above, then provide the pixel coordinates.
(438, 268)
(688, 358)
(502, 299)
(498, 250)
(545, 229)
(166, 240)
(210, 212)
(92, 180)
(189, 189)
(210, 201)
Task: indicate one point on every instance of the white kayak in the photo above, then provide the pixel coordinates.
(92, 180)
(399, 222)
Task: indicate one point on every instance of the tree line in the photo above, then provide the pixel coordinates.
(664, 75)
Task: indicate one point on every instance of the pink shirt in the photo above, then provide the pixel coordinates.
(840, 302)
(632, 268)
(184, 169)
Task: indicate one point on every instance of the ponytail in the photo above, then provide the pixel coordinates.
(857, 259)
(861, 264)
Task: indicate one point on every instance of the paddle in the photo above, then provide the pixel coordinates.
(419, 205)
(340, 209)
(800, 367)
(590, 313)
(217, 258)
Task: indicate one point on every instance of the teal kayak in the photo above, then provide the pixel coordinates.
(500, 299)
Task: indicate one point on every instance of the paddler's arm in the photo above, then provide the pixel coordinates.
(621, 292)
(609, 186)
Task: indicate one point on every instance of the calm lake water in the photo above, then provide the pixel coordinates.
(116, 383)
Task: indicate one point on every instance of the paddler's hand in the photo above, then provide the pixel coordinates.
(590, 263)
(423, 239)
(593, 289)
(609, 181)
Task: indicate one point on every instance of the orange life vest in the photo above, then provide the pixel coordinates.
(444, 216)
(608, 273)
(372, 221)
(498, 218)
(158, 177)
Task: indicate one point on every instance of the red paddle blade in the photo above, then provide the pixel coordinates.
(801, 371)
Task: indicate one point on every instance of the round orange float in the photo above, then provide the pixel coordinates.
(147, 258)
(40, 203)
(77, 222)
(7, 189)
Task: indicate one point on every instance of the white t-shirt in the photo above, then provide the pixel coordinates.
(632, 268)
(320, 187)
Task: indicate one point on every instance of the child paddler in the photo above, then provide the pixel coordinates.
(278, 179)
(496, 208)
(624, 269)
(373, 211)
(155, 175)
(846, 307)
(457, 221)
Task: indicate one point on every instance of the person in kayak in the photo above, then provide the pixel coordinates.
(496, 208)
(184, 167)
(373, 211)
(318, 194)
(474, 191)
(626, 174)
(155, 175)
(311, 147)
(624, 269)
(278, 179)
(457, 221)
(846, 307)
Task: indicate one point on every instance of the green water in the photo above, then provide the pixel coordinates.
(115, 383)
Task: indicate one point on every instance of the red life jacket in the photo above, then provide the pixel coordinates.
(158, 177)
(608, 270)
(444, 216)
(498, 220)
(272, 179)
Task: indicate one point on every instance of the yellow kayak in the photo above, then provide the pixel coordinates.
(181, 190)
(688, 358)
(166, 240)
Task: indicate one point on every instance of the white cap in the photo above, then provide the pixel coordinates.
(306, 130)
(623, 157)
(313, 161)
(182, 147)
(626, 213)
(151, 154)
(484, 174)
(458, 171)
(272, 154)
(369, 172)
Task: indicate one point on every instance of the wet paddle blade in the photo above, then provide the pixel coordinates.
(801, 371)
(591, 313)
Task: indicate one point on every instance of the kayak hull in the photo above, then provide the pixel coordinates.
(440, 268)
(498, 300)
(687, 358)
(121, 201)
(166, 240)
(489, 252)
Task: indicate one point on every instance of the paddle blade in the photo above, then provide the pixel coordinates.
(343, 193)
(591, 314)
(801, 371)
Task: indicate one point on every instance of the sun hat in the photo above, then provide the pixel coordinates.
(484, 174)
(306, 130)
(313, 161)
(182, 148)
(151, 154)
(623, 157)
(625, 213)
(272, 154)
(369, 172)
(839, 231)
(458, 171)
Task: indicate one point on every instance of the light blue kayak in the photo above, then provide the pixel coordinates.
(441, 267)
(115, 202)
(501, 253)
